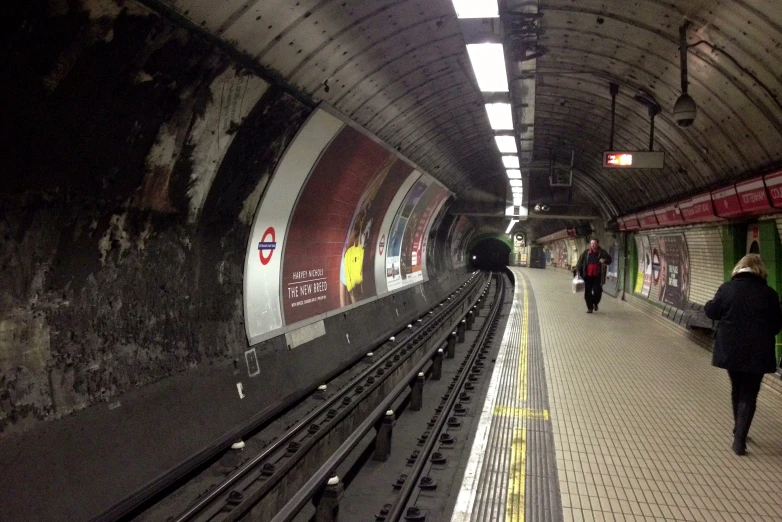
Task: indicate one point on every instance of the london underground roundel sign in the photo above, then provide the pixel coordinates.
(267, 245)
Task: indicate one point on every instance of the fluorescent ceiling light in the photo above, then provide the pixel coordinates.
(515, 182)
(517, 193)
(510, 225)
(488, 63)
(510, 162)
(516, 202)
(514, 173)
(500, 117)
(506, 144)
(476, 8)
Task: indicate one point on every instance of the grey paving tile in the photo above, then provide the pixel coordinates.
(641, 420)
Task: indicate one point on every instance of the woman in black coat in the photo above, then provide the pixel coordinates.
(750, 318)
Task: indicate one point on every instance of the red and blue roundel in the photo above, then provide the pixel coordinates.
(267, 245)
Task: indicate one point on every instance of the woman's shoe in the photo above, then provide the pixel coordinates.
(739, 447)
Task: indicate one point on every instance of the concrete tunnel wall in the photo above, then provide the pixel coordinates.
(137, 153)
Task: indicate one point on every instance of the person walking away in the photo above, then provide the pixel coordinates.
(590, 268)
(749, 315)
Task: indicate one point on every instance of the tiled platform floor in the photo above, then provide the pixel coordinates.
(642, 421)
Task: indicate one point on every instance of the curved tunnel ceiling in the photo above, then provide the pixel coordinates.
(635, 44)
(400, 69)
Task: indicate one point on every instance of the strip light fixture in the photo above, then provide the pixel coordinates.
(506, 144)
(488, 63)
(476, 8)
(500, 116)
(510, 162)
(511, 225)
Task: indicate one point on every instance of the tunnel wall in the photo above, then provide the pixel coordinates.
(138, 154)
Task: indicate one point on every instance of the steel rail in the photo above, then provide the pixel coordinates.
(214, 494)
(400, 505)
(319, 478)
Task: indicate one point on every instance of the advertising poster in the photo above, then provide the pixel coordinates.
(573, 254)
(413, 241)
(639, 279)
(676, 271)
(329, 253)
(558, 254)
(658, 267)
(647, 286)
(263, 263)
(399, 254)
(613, 268)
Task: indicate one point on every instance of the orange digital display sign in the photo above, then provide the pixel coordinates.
(633, 159)
(619, 160)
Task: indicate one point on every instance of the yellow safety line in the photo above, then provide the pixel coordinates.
(514, 506)
(516, 502)
(529, 413)
(522, 384)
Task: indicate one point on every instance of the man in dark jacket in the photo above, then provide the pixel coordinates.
(590, 268)
(750, 318)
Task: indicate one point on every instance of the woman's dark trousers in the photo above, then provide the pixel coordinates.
(744, 392)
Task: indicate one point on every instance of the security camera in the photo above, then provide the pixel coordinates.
(684, 111)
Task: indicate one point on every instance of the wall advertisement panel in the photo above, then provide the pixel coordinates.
(612, 272)
(676, 270)
(573, 254)
(399, 256)
(417, 230)
(263, 262)
(323, 226)
(639, 280)
(657, 275)
(647, 280)
(329, 255)
(663, 261)
(558, 253)
(383, 242)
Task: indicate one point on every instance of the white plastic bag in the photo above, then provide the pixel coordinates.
(578, 284)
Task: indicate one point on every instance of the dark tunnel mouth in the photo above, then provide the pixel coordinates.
(489, 254)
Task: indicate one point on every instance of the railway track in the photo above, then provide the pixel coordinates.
(325, 489)
(261, 486)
